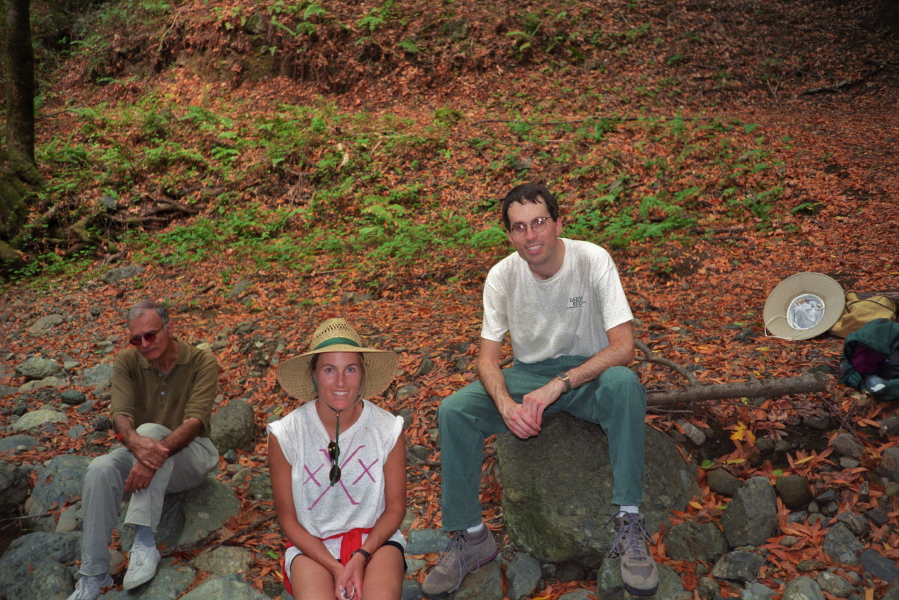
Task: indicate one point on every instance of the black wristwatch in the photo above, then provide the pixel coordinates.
(563, 377)
(365, 554)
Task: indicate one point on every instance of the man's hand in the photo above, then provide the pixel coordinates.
(519, 421)
(536, 402)
(148, 451)
(139, 478)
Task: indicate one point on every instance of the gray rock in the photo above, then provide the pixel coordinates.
(879, 566)
(877, 515)
(8, 390)
(14, 487)
(889, 465)
(75, 432)
(803, 588)
(261, 487)
(847, 445)
(38, 367)
(224, 588)
(46, 382)
(739, 565)
(171, 580)
(577, 595)
(670, 585)
(33, 566)
(794, 491)
(426, 541)
(411, 590)
(751, 517)
(856, 523)
(484, 584)
(119, 274)
(234, 427)
(58, 483)
(239, 288)
(16, 442)
(721, 481)
(37, 418)
(696, 541)
(524, 573)
(841, 545)
(692, 432)
(406, 391)
(557, 488)
(757, 591)
(99, 377)
(207, 507)
(834, 584)
(45, 324)
(73, 397)
(608, 579)
(224, 560)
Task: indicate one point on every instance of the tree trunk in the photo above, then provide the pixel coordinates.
(20, 83)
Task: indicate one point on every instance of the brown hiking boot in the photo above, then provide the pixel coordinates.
(465, 554)
(638, 569)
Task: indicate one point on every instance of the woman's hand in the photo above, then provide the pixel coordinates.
(349, 582)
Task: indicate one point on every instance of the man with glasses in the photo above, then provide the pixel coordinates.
(562, 303)
(162, 395)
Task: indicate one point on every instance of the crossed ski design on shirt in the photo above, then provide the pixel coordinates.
(326, 465)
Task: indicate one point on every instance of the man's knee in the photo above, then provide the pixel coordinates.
(154, 430)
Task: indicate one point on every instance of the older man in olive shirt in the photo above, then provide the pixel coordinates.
(162, 395)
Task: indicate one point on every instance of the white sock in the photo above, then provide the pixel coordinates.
(626, 508)
(476, 529)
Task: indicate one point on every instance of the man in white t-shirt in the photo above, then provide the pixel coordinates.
(569, 323)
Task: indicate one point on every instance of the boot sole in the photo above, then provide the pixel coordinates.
(441, 595)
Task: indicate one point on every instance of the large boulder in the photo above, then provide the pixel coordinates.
(58, 483)
(557, 488)
(234, 427)
(34, 566)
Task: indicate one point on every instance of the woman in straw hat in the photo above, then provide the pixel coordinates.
(338, 468)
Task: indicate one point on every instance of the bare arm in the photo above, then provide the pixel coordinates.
(387, 523)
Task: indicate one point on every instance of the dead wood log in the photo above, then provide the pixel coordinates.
(698, 392)
(758, 388)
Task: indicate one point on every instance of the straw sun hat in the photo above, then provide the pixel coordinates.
(336, 335)
(803, 306)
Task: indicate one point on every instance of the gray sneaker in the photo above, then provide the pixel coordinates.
(465, 554)
(638, 569)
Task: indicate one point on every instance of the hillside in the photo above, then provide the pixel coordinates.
(270, 164)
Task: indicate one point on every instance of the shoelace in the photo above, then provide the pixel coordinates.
(633, 534)
(453, 553)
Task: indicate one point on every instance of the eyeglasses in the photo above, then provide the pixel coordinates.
(519, 230)
(136, 340)
(334, 455)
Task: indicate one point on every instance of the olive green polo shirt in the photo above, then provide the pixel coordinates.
(141, 392)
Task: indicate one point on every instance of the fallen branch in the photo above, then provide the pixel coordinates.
(759, 388)
(200, 543)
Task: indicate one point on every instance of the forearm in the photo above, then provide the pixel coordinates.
(183, 435)
(619, 353)
(492, 379)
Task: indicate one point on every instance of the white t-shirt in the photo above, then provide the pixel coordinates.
(565, 315)
(357, 500)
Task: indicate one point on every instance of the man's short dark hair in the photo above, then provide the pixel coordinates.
(145, 305)
(530, 192)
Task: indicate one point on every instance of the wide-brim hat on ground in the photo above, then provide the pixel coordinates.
(336, 335)
(803, 306)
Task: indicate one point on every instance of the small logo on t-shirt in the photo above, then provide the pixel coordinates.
(575, 302)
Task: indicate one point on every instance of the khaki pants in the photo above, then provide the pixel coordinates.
(104, 485)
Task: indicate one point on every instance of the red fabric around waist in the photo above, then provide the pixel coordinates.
(350, 542)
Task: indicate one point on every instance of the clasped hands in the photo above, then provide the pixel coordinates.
(525, 419)
(150, 455)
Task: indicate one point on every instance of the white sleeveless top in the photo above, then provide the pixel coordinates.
(357, 500)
